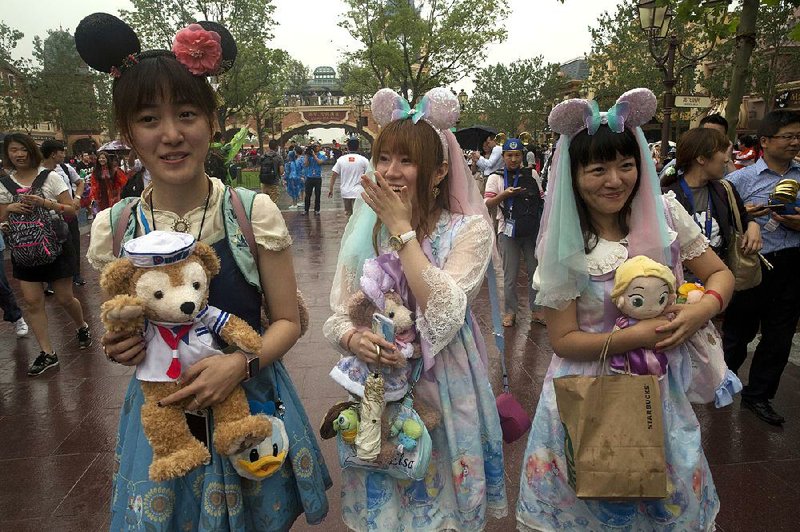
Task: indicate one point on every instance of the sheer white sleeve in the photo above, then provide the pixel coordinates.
(454, 286)
(692, 241)
(340, 322)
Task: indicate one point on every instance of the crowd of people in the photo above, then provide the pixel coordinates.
(424, 223)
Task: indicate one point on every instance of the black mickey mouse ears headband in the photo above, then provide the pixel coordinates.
(108, 44)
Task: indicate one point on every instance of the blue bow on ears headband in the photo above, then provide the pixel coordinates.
(404, 111)
(614, 117)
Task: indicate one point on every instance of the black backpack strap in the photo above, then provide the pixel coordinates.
(10, 185)
(38, 183)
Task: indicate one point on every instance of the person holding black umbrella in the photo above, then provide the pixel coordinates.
(495, 160)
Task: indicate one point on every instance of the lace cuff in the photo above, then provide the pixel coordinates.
(446, 310)
(334, 328)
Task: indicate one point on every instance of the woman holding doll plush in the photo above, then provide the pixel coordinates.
(603, 206)
(423, 206)
(165, 109)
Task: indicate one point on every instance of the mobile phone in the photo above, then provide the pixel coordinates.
(383, 326)
(199, 425)
(780, 207)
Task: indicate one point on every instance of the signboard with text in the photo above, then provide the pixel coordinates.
(324, 116)
(691, 100)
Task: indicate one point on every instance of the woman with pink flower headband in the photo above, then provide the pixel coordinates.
(604, 205)
(165, 109)
(423, 207)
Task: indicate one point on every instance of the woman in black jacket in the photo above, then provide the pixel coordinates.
(702, 156)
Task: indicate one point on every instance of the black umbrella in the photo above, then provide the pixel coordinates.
(472, 138)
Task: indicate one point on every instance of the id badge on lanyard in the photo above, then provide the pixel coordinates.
(509, 229)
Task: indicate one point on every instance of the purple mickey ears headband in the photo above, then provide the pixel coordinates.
(439, 108)
(633, 109)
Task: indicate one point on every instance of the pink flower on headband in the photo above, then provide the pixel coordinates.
(198, 49)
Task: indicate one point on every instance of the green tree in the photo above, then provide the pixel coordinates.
(16, 110)
(63, 86)
(514, 97)
(250, 22)
(283, 75)
(414, 48)
(157, 21)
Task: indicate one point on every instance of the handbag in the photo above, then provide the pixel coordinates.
(613, 434)
(746, 269)
(410, 460)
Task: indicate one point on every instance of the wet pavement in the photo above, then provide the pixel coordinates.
(57, 430)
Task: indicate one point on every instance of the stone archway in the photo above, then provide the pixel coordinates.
(302, 118)
(287, 135)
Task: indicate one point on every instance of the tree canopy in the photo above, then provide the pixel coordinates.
(514, 97)
(415, 48)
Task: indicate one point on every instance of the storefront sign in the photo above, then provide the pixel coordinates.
(323, 116)
(690, 100)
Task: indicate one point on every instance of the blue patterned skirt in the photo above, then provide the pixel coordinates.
(215, 497)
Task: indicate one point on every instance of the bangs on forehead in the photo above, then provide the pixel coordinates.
(603, 146)
(155, 80)
(167, 85)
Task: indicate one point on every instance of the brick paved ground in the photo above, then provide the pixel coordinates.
(57, 431)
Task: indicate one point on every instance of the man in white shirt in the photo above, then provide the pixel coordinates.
(350, 166)
(54, 154)
(495, 160)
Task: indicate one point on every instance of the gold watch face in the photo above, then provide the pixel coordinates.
(396, 242)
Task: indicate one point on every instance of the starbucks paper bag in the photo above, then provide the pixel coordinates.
(614, 436)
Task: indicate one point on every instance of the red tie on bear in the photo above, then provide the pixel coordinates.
(173, 339)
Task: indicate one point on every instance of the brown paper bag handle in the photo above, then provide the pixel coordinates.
(604, 354)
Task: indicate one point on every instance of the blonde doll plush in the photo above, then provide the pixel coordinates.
(643, 288)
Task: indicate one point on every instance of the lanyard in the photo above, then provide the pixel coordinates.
(688, 191)
(509, 202)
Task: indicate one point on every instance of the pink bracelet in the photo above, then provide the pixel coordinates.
(718, 296)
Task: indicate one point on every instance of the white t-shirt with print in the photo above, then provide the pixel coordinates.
(350, 167)
(53, 186)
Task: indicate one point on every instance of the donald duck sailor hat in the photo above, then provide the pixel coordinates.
(159, 248)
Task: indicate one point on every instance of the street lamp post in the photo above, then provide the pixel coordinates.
(655, 18)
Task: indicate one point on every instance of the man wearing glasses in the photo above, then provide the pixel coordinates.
(774, 305)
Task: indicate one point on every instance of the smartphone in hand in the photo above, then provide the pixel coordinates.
(383, 326)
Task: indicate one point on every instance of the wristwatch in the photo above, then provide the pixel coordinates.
(253, 365)
(398, 241)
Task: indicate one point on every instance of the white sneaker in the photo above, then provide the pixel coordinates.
(21, 328)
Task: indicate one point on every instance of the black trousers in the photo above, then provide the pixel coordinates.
(774, 306)
(75, 238)
(315, 184)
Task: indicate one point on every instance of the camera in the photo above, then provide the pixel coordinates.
(310, 150)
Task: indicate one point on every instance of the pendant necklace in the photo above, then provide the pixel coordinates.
(182, 225)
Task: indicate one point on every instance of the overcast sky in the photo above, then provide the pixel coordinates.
(536, 27)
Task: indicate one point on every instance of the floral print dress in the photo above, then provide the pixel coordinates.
(465, 482)
(546, 501)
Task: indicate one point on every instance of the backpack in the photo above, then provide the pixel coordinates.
(524, 209)
(268, 174)
(133, 188)
(34, 238)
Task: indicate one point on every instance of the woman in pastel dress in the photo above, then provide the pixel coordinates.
(165, 108)
(424, 207)
(604, 205)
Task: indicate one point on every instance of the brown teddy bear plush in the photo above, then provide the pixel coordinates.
(160, 288)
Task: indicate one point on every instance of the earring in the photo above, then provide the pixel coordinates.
(435, 192)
